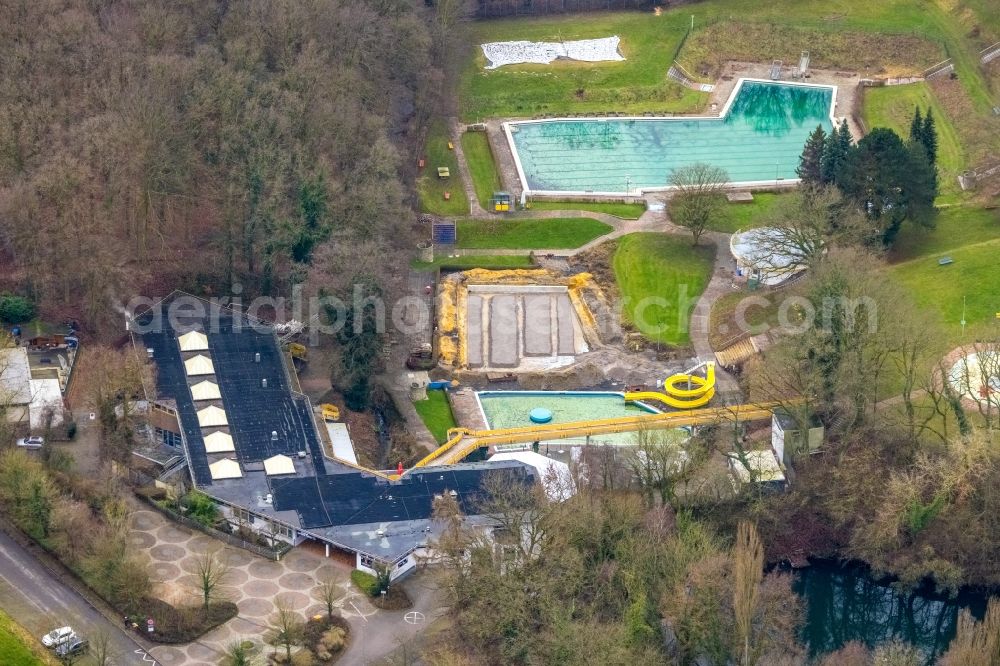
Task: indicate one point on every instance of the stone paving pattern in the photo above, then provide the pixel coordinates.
(253, 583)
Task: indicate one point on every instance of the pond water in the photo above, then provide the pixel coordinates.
(845, 602)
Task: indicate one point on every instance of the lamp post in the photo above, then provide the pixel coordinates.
(628, 185)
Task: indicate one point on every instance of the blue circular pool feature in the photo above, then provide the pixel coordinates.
(540, 415)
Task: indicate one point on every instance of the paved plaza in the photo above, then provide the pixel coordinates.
(253, 583)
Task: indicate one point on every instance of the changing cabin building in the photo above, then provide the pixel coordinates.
(252, 444)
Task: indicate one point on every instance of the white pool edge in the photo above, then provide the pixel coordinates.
(666, 188)
(489, 426)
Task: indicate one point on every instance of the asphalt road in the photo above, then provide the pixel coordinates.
(40, 602)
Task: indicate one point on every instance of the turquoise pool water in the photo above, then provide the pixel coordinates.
(760, 138)
(511, 409)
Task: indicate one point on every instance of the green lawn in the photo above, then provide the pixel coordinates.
(479, 155)
(972, 276)
(660, 278)
(625, 211)
(19, 647)
(839, 32)
(893, 106)
(736, 216)
(436, 414)
(432, 188)
(479, 261)
(521, 234)
(956, 226)
(634, 85)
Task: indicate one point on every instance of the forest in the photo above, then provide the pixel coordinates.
(153, 145)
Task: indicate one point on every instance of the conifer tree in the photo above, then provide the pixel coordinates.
(832, 157)
(810, 168)
(928, 137)
(917, 127)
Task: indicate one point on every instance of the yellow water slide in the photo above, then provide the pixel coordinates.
(682, 391)
(463, 441)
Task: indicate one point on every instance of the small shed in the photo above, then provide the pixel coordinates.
(788, 437)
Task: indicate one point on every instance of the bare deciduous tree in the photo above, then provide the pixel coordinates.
(288, 626)
(698, 197)
(748, 571)
(328, 592)
(211, 573)
(803, 227)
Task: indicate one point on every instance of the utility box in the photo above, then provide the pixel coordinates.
(418, 385)
(502, 202)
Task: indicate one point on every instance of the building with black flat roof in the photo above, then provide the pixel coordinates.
(251, 443)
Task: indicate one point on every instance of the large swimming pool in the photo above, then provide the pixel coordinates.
(757, 139)
(510, 409)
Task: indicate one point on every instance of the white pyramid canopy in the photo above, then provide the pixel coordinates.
(199, 365)
(212, 416)
(279, 464)
(219, 442)
(227, 468)
(205, 390)
(193, 341)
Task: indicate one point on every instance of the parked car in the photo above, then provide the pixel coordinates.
(74, 646)
(34, 442)
(57, 637)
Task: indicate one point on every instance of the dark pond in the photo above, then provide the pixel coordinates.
(845, 602)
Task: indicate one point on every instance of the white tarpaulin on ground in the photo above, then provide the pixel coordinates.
(340, 439)
(499, 54)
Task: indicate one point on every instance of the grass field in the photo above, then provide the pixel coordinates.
(478, 261)
(19, 647)
(432, 188)
(635, 85)
(625, 211)
(893, 107)
(956, 226)
(972, 276)
(708, 49)
(436, 414)
(482, 168)
(853, 34)
(660, 278)
(736, 216)
(514, 234)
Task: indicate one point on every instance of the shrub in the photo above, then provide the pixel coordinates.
(365, 582)
(200, 507)
(15, 309)
(302, 658)
(333, 639)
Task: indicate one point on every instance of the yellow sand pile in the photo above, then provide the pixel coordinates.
(512, 276)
